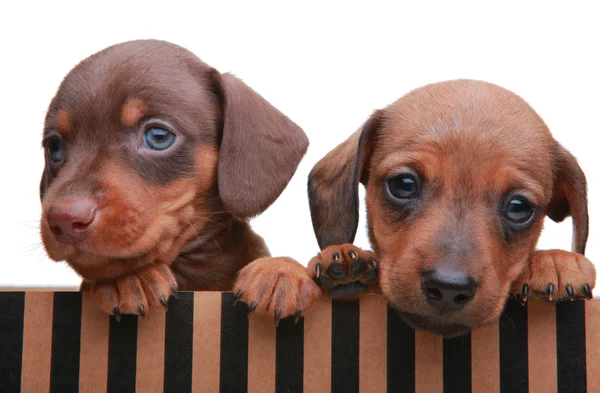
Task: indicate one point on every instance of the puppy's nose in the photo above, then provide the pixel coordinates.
(70, 220)
(448, 290)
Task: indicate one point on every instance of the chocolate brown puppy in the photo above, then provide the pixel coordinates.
(155, 161)
(459, 176)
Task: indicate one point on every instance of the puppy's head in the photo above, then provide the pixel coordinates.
(459, 176)
(144, 144)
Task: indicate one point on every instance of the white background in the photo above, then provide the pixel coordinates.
(327, 65)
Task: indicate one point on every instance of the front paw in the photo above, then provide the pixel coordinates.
(345, 271)
(136, 293)
(556, 275)
(279, 287)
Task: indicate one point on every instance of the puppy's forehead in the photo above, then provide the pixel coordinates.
(159, 77)
(470, 128)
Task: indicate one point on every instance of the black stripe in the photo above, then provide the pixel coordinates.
(344, 346)
(234, 346)
(12, 308)
(66, 342)
(400, 354)
(514, 371)
(122, 354)
(570, 347)
(457, 364)
(179, 339)
(289, 356)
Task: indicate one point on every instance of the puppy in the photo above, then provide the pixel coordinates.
(459, 176)
(154, 162)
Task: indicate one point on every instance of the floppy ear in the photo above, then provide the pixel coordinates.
(333, 186)
(570, 196)
(260, 149)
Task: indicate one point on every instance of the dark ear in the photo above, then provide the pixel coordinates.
(570, 196)
(333, 186)
(260, 149)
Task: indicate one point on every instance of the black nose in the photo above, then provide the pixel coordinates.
(448, 290)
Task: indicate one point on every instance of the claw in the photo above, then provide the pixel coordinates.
(352, 254)
(174, 291)
(336, 257)
(142, 312)
(164, 303)
(277, 318)
(523, 297)
(251, 309)
(117, 313)
(318, 270)
(570, 292)
(236, 298)
(587, 291)
(550, 291)
(373, 262)
(297, 317)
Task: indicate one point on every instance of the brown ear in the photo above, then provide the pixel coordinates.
(570, 196)
(260, 149)
(333, 186)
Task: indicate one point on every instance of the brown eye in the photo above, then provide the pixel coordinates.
(403, 186)
(519, 210)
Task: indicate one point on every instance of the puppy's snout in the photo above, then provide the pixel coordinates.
(70, 220)
(448, 290)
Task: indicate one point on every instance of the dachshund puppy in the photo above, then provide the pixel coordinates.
(154, 162)
(459, 176)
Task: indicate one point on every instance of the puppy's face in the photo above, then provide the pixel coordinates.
(138, 141)
(459, 177)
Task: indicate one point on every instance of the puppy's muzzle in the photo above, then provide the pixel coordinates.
(71, 220)
(447, 290)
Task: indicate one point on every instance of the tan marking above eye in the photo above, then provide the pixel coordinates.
(63, 122)
(132, 112)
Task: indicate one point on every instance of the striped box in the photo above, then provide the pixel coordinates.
(59, 342)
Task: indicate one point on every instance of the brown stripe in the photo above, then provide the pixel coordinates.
(485, 360)
(207, 342)
(541, 321)
(428, 363)
(37, 342)
(372, 344)
(592, 342)
(317, 347)
(150, 365)
(93, 361)
(261, 354)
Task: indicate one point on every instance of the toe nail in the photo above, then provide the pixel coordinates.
(236, 298)
(570, 292)
(373, 262)
(587, 291)
(522, 300)
(550, 291)
(297, 317)
(117, 313)
(525, 290)
(174, 291)
(352, 254)
(142, 312)
(277, 318)
(318, 269)
(251, 309)
(164, 303)
(336, 257)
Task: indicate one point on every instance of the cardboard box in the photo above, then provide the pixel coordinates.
(59, 342)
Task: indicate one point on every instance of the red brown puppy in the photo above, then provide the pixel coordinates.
(459, 176)
(154, 163)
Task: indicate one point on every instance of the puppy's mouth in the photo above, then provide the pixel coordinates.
(436, 324)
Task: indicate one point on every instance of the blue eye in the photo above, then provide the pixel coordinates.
(55, 149)
(158, 138)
